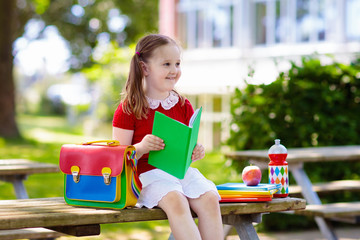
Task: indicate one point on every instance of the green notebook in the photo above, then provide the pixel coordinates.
(179, 140)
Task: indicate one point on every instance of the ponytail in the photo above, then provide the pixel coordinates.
(134, 96)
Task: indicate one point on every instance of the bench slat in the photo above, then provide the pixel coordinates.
(31, 233)
(24, 166)
(333, 186)
(332, 210)
(55, 212)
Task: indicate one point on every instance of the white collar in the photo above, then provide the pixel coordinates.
(167, 103)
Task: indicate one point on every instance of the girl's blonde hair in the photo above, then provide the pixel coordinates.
(134, 100)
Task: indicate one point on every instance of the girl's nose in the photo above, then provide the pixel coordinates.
(174, 69)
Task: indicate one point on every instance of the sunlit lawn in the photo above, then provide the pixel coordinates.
(44, 136)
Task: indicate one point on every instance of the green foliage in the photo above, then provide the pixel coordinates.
(109, 73)
(81, 23)
(310, 105)
(83, 31)
(41, 5)
(143, 16)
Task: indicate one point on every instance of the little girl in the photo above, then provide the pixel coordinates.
(154, 71)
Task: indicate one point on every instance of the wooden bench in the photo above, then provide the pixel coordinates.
(16, 171)
(55, 214)
(348, 212)
(296, 158)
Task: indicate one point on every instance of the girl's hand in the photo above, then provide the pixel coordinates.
(149, 143)
(198, 152)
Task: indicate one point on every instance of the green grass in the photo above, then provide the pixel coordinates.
(42, 140)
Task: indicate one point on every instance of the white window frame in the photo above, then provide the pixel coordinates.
(243, 34)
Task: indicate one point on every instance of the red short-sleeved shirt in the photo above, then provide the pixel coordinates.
(142, 127)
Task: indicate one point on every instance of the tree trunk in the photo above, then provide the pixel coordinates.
(8, 126)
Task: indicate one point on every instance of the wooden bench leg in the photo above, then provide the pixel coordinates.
(20, 190)
(171, 237)
(326, 228)
(18, 182)
(243, 225)
(311, 197)
(78, 231)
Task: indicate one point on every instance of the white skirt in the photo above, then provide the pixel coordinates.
(157, 183)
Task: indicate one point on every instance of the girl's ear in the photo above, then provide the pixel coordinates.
(144, 68)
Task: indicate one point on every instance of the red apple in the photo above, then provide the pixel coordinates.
(251, 175)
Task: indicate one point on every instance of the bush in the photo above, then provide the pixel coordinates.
(310, 105)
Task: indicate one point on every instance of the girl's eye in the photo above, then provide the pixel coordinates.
(166, 64)
(178, 64)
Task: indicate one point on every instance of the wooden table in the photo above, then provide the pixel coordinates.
(55, 214)
(16, 171)
(296, 159)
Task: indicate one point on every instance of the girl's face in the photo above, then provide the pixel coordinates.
(162, 71)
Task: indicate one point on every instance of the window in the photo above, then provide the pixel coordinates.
(244, 23)
(303, 21)
(221, 17)
(217, 135)
(352, 29)
(260, 23)
(208, 23)
(270, 22)
(321, 20)
(201, 24)
(280, 23)
(217, 104)
(310, 20)
(182, 29)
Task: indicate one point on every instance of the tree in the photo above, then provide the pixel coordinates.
(80, 23)
(8, 126)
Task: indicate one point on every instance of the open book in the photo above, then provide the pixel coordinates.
(179, 140)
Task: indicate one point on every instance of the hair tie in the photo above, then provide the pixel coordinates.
(137, 53)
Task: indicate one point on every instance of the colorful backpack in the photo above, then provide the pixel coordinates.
(98, 175)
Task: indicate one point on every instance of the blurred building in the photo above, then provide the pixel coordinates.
(223, 39)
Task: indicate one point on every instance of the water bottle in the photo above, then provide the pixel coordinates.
(278, 168)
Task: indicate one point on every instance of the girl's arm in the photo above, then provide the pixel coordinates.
(124, 136)
(147, 144)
